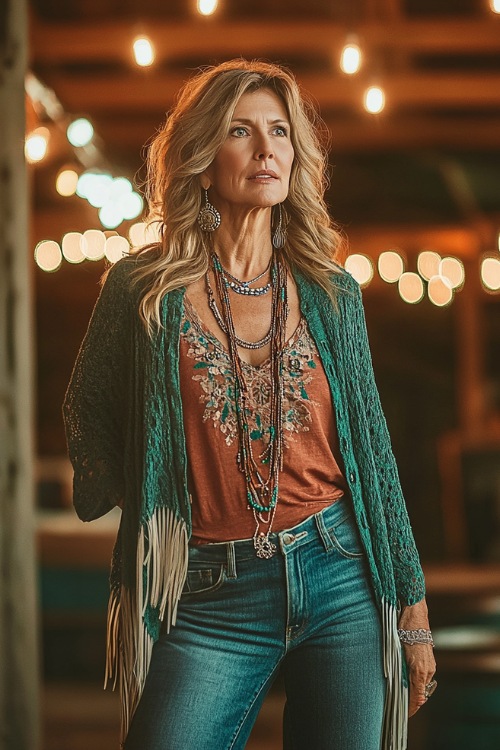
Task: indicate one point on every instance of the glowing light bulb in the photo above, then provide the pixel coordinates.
(66, 182)
(48, 255)
(36, 145)
(495, 6)
(361, 267)
(390, 266)
(350, 59)
(374, 100)
(411, 287)
(80, 132)
(143, 51)
(207, 7)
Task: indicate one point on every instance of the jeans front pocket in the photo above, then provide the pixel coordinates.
(345, 537)
(203, 579)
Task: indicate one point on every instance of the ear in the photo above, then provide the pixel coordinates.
(205, 181)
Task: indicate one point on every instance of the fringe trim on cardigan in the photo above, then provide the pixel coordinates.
(162, 559)
(395, 723)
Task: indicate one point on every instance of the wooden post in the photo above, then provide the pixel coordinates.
(18, 621)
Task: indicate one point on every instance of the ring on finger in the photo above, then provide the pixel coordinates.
(430, 688)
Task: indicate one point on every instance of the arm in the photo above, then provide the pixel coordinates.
(94, 408)
(408, 573)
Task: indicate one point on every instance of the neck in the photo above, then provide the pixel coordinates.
(244, 247)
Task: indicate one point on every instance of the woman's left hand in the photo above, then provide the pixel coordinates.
(419, 657)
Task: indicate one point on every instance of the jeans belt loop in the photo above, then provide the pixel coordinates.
(325, 536)
(231, 560)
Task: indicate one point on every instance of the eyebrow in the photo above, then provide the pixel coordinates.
(246, 121)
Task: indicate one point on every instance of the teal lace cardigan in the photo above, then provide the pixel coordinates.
(125, 434)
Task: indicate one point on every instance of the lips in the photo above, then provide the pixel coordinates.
(264, 174)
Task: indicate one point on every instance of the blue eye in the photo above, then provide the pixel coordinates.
(239, 131)
(280, 130)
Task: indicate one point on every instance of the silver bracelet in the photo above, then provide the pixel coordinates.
(412, 637)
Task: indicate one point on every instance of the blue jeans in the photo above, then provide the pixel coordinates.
(308, 611)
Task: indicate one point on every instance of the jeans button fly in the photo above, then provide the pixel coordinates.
(288, 538)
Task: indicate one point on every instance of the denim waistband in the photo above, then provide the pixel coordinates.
(313, 528)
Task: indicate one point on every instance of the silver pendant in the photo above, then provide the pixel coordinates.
(264, 548)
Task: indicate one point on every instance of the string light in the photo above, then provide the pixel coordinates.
(453, 270)
(116, 247)
(411, 287)
(361, 267)
(142, 233)
(207, 7)
(490, 274)
(66, 182)
(80, 132)
(374, 100)
(92, 244)
(48, 255)
(72, 247)
(143, 51)
(350, 59)
(440, 291)
(390, 266)
(428, 264)
(36, 145)
(115, 197)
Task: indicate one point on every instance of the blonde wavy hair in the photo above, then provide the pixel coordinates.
(186, 145)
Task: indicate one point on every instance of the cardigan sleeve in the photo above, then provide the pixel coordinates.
(408, 573)
(95, 404)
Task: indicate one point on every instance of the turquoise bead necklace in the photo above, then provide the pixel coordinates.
(262, 493)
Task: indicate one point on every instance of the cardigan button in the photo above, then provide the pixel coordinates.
(352, 476)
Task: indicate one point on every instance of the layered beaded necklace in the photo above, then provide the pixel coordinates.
(261, 492)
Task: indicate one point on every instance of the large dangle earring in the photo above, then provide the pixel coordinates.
(209, 217)
(279, 234)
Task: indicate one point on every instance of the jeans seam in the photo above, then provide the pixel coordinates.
(251, 704)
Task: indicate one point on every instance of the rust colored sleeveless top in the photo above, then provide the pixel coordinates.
(311, 477)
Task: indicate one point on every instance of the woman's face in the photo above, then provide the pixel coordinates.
(252, 168)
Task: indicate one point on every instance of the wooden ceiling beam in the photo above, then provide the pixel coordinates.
(58, 43)
(360, 134)
(155, 91)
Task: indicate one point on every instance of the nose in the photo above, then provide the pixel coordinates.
(263, 149)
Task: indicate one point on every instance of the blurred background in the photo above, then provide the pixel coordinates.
(410, 93)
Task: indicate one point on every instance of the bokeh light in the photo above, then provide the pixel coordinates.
(72, 247)
(36, 145)
(428, 264)
(66, 182)
(360, 267)
(350, 59)
(116, 247)
(490, 273)
(453, 270)
(374, 100)
(440, 291)
(411, 287)
(143, 51)
(48, 255)
(80, 132)
(390, 266)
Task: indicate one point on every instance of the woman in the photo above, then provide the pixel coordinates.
(224, 398)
